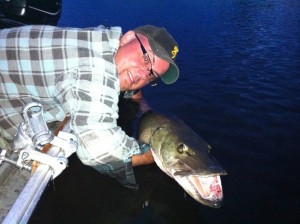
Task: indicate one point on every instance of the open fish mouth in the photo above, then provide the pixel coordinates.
(206, 190)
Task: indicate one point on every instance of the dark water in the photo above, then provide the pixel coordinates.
(239, 89)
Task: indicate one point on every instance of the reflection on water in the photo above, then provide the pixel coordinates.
(239, 89)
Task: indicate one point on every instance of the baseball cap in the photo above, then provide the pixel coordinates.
(163, 46)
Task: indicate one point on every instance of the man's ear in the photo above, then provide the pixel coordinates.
(127, 37)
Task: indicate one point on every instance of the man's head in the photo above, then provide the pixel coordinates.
(145, 54)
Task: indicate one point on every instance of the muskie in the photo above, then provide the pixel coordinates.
(184, 156)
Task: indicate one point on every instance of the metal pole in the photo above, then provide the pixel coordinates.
(26, 202)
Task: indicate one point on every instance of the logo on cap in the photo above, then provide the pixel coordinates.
(174, 52)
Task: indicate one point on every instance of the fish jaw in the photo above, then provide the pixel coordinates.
(206, 190)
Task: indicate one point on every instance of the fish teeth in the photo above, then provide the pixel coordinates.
(209, 188)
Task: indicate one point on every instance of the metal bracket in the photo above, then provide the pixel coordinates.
(3, 158)
(33, 134)
(34, 130)
(66, 141)
(58, 164)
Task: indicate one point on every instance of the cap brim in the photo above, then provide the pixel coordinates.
(171, 75)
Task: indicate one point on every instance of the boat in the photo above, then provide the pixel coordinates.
(22, 187)
(21, 190)
(24, 12)
(39, 156)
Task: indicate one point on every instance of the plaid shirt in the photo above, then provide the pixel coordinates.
(69, 71)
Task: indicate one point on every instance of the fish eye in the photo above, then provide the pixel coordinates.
(180, 148)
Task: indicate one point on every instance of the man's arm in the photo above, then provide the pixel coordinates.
(147, 157)
(143, 159)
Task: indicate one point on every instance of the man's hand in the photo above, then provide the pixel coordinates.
(143, 159)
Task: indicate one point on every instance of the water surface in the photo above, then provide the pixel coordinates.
(239, 89)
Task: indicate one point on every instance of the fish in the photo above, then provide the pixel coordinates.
(183, 155)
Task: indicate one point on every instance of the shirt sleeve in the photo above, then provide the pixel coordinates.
(93, 104)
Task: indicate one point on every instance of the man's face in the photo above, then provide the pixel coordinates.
(132, 65)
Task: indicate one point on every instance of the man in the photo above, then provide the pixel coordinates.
(80, 73)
